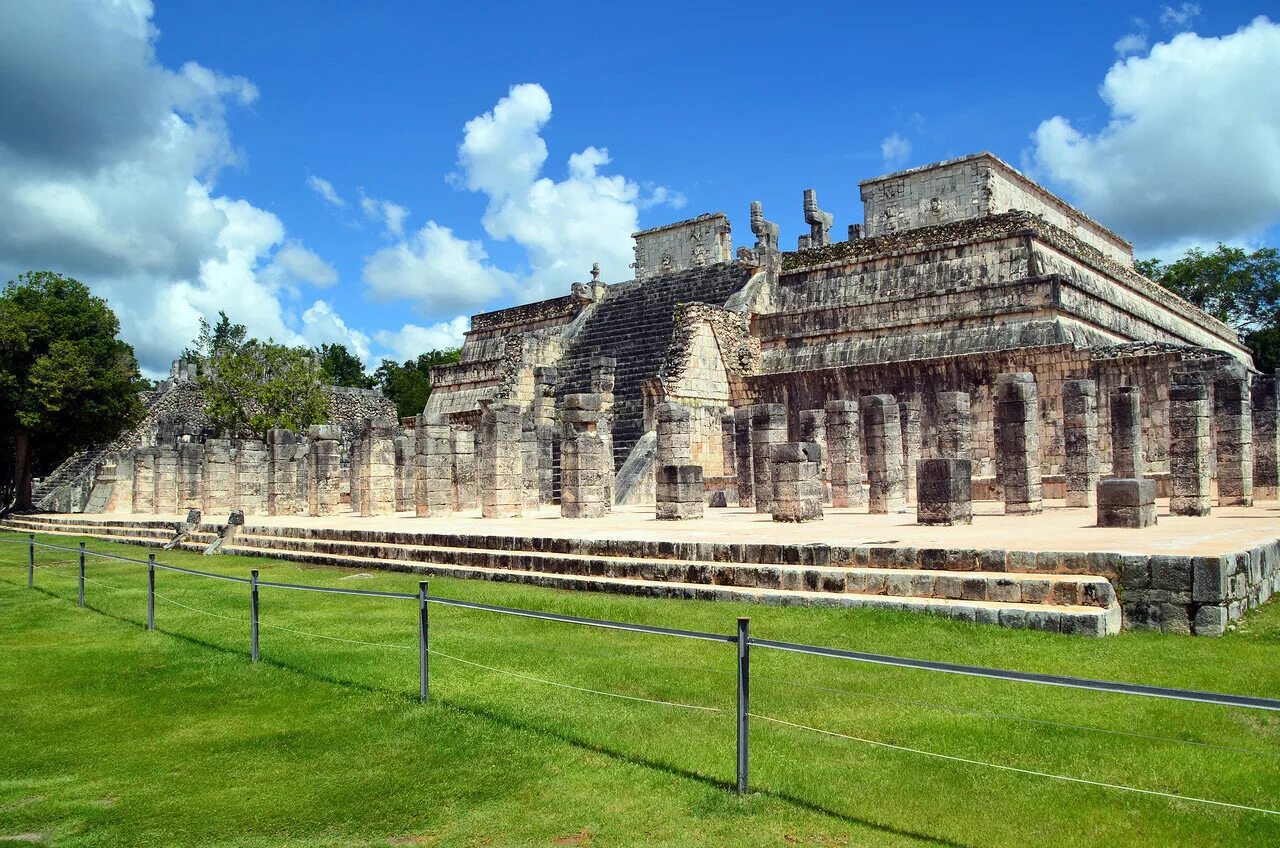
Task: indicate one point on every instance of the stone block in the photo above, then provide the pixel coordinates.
(943, 491)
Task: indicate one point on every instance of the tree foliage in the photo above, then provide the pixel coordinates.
(409, 384)
(1235, 286)
(66, 381)
(253, 386)
(343, 368)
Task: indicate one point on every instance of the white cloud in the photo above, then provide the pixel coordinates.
(895, 149)
(1191, 153)
(437, 270)
(1177, 18)
(322, 325)
(325, 189)
(108, 168)
(1134, 42)
(390, 215)
(411, 340)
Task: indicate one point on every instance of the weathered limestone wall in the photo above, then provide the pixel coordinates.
(697, 242)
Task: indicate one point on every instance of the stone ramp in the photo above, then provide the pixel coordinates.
(1009, 593)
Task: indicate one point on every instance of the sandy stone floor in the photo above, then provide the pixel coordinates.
(1229, 529)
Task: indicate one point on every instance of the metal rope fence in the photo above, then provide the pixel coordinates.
(741, 639)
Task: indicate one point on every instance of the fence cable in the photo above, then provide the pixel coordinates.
(337, 638)
(178, 603)
(1017, 770)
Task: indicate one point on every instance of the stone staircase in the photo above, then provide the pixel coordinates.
(995, 587)
(633, 324)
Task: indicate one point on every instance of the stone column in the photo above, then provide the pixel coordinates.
(955, 426)
(797, 482)
(355, 469)
(944, 491)
(122, 492)
(1127, 502)
(679, 490)
(742, 455)
(465, 495)
(545, 380)
(674, 423)
(325, 462)
(498, 469)
(190, 467)
(1017, 418)
(882, 429)
(166, 478)
(433, 472)
(144, 481)
(582, 459)
(251, 477)
(1233, 422)
(405, 489)
(768, 428)
(378, 469)
(1266, 438)
(844, 449)
(813, 430)
(218, 475)
(529, 464)
(1080, 440)
(603, 376)
(1190, 460)
(729, 456)
(302, 475)
(1126, 433)
(909, 418)
(282, 472)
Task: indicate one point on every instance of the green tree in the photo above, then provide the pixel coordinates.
(343, 368)
(409, 385)
(1235, 286)
(66, 381)
(215, 338)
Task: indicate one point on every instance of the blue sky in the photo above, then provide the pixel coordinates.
(328, 172)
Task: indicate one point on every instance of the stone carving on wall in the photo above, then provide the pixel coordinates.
(819, 222)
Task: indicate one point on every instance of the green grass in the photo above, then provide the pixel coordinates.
(110, 735)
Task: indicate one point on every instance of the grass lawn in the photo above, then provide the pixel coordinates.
(110, 735)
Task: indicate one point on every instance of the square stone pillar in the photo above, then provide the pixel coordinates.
(325, 465)
(378, 468)
(465, 494)
(433, 468)
(909, 418)
(405, 465)
(882, 429)
(1127, 502)
(944, 491)
(545, 381)
(282, 472)
(529, 464)
(190, 468)
(729, 456)
(302, 475)
(356, 482)
(166, 479)
(1233, 423)
(680, 490)
(251, 477)
(1190, 459)
(499, 480)
(1266, 438)
(1017, 420)
(674, 423)
(218, 475)
(768, 428)
(1080, 440)
(955, 426)
(743, 468)
(603, 376)
(813, 429)
(797, 482)
(582, 459)
(1126, 432)
(144, 481)
(844, 453)
(121, 499)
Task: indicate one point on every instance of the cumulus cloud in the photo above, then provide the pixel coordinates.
(563, 226)
(390, 215)
(1134, 42)
(1191, 151)
(322, 325)
(411, 339)
(108, 168)
(1171, 18)
(326, 191)
(895, 149)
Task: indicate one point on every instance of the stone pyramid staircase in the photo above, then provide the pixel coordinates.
(1008, 588)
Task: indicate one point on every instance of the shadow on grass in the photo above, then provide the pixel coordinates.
(514, 723)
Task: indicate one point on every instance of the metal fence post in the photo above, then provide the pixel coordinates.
(744, 685)
(422, 641)
(151, 591)
(31, 560)
(80, 597)
(253, 615)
